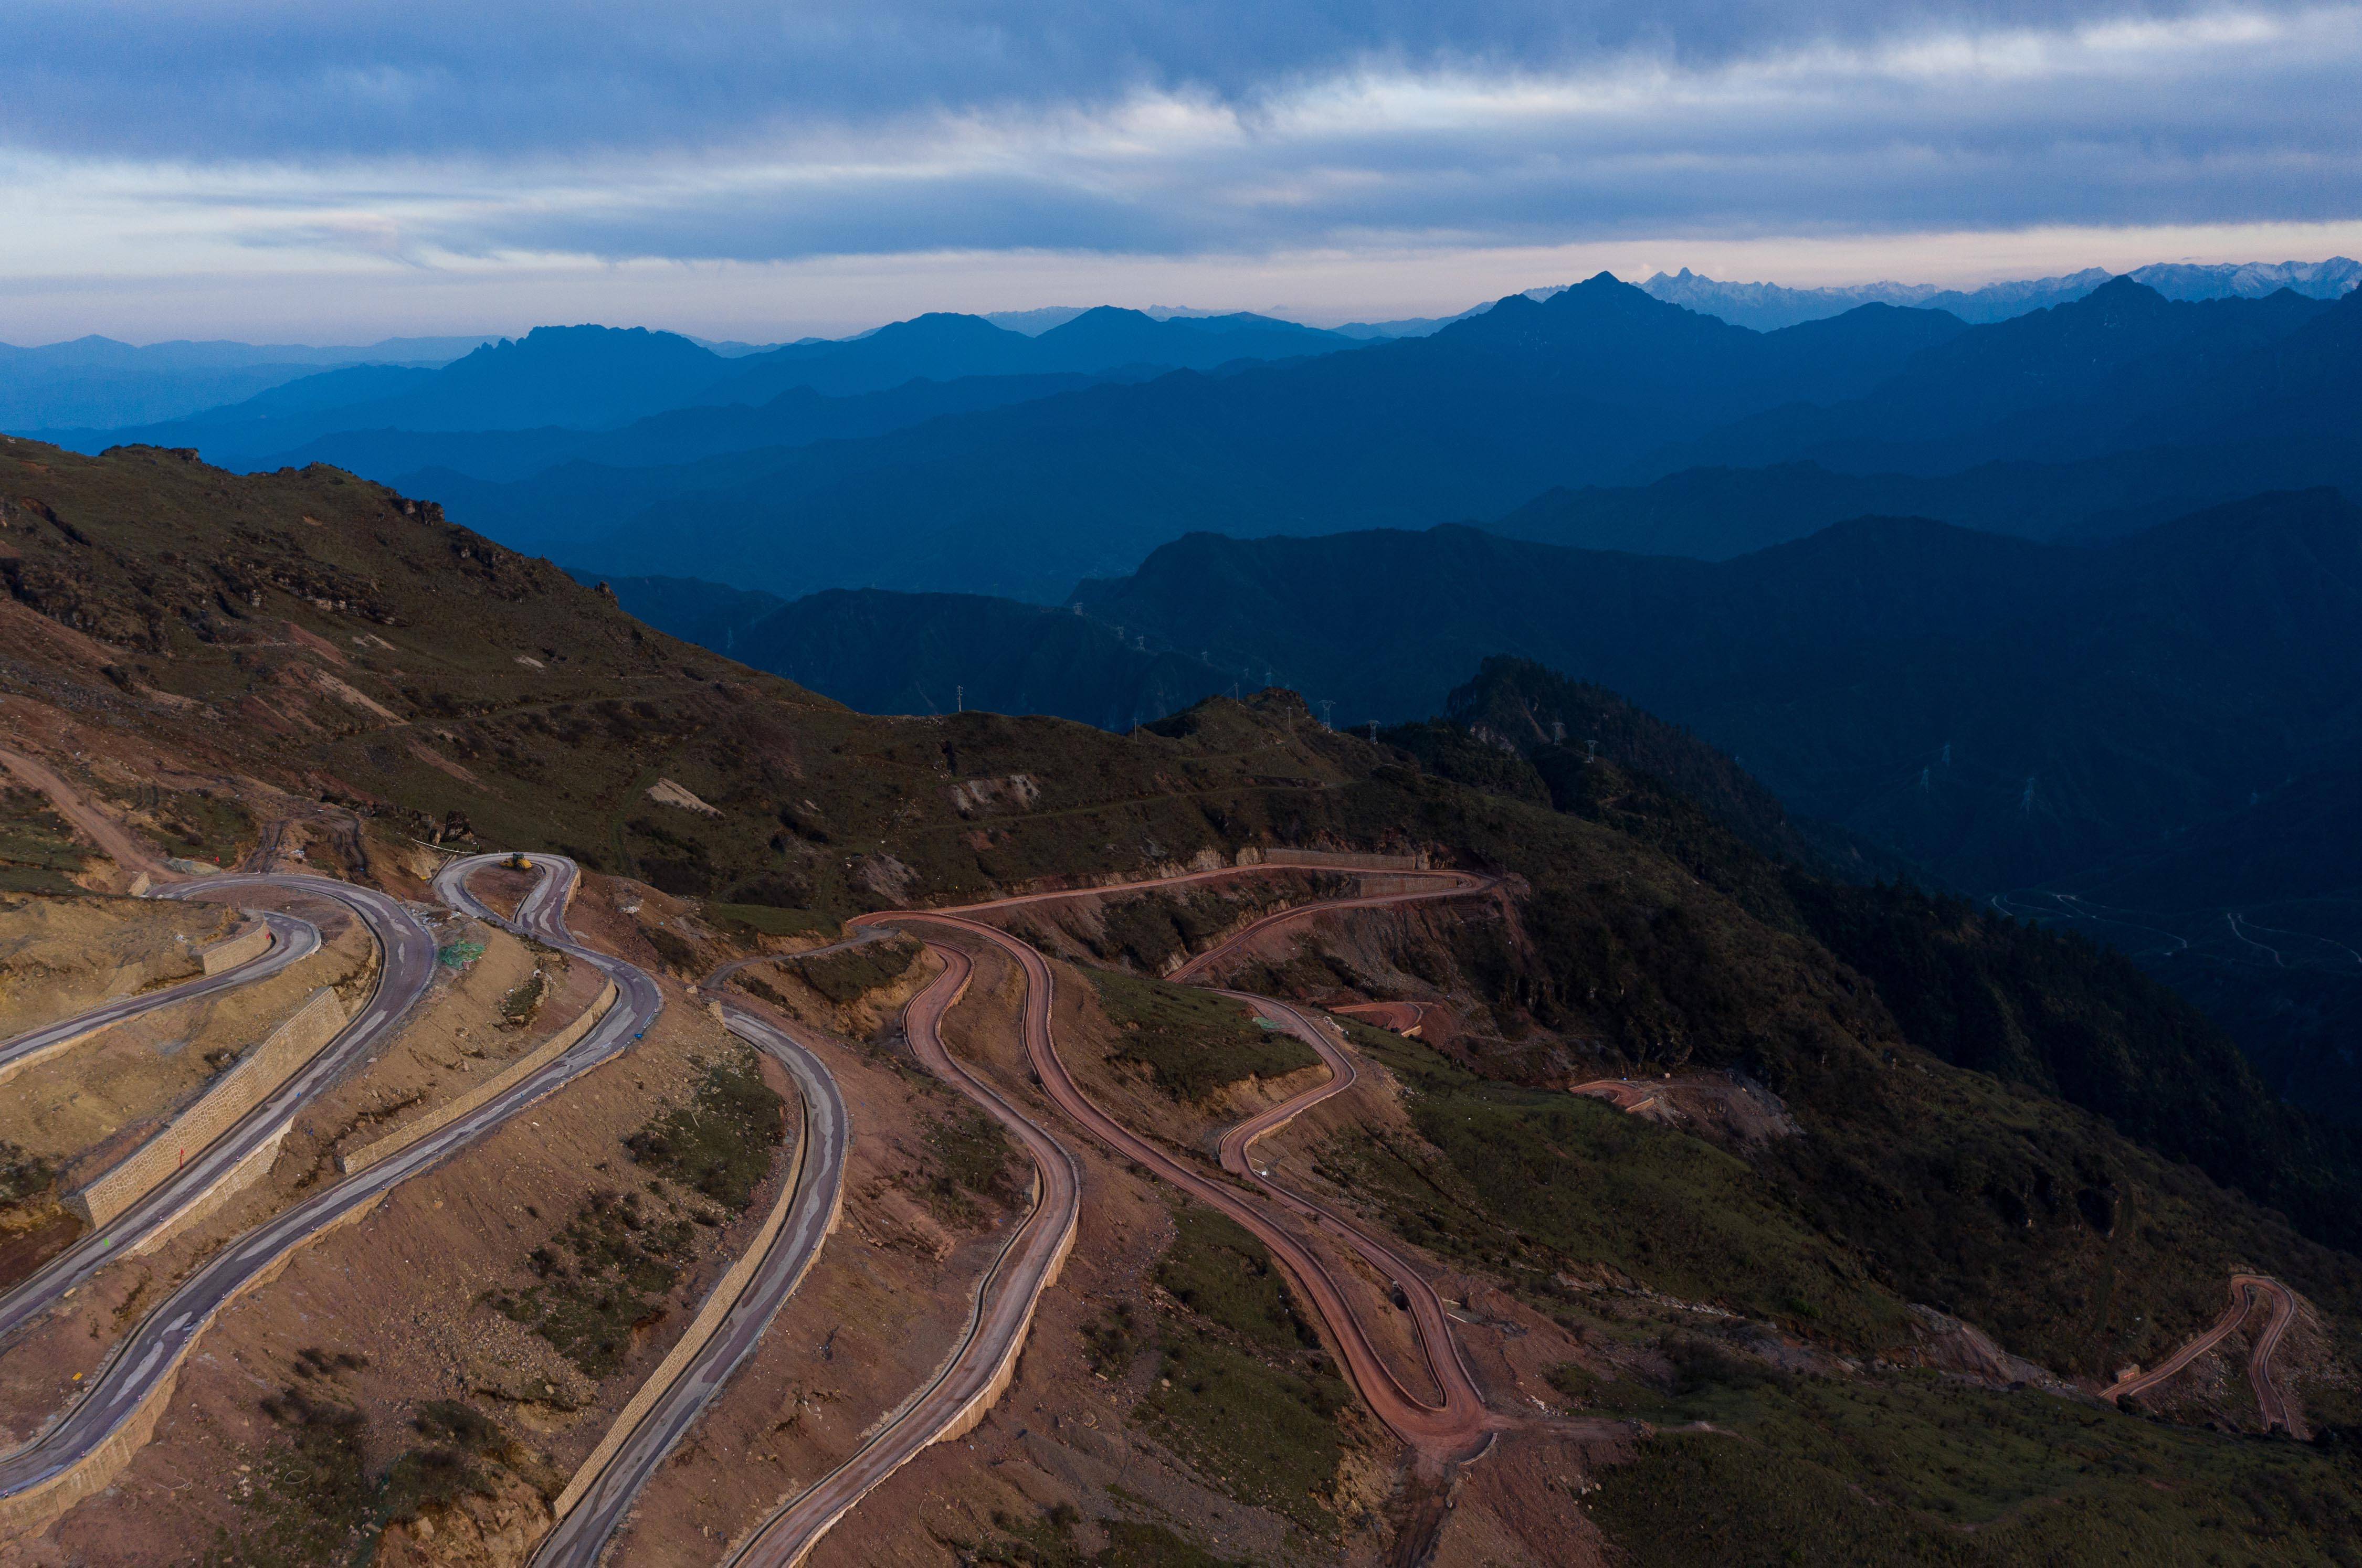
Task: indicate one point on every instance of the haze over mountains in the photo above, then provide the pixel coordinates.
(901, 520)
(1767, 306)
(587, 443)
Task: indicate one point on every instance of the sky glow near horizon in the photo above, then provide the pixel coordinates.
(765, 171)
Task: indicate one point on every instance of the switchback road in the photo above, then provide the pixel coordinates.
(2247, 1290)
(1236, 1151)
(1449, 1431)
(406, 969)
(985, 1358)
(145, 1363)
(291, 941)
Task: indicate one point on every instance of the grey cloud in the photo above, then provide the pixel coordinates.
(378, 78)
(2272, 137)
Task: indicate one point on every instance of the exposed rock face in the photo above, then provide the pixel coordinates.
(478, 1531)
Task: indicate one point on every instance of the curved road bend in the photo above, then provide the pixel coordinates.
(1236, 1151)
(582, 1535)
(405, 970)
(291, 941)
(2271, 1405)
(1005, 1296)
(144, 1362)
(1458, 885)
(861, 938)
(1449, 1431)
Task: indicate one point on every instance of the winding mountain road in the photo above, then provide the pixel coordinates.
(291, 941)
(581, 1536)
(2247, 1291)
(1451, 885)
(145, 1363)
(405, 970)
(985, 1357)
(1447, 1431)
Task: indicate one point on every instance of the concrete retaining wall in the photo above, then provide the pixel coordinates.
(239, 1090)
(246, 946)
(717, 1302)
(443, 1115)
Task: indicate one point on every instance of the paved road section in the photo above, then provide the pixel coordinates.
(985, 1357)
(291, 941)
(1236, 1149)
(861, 938)
(406, 969)
(2248, 1292)
(583, 1534)
(1452, 1429)
(1446, 884)
(144, 1363)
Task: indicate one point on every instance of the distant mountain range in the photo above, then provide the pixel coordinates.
(2046, 424)
(1767, 305)
(589, 379)
(1598, 416)
(99, 382)
(931, 653)
(2001, 711)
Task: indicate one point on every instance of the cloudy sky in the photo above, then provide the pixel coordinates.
(335, 172)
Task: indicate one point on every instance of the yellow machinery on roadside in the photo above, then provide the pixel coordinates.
(517, 862)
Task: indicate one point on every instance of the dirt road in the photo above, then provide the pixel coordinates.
(2248, 1292)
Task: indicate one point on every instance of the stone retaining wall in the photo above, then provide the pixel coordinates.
(248, 945)
(1340, 859)
(237, 1091)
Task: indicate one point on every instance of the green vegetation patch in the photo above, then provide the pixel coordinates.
(973, 1159)
(1244, 1392)
(603, 1276)
(312, 1501)
(723, 1141)
(23, 1177)
(1114, 1341)
(1193, 1042)
(848, 976)
(196, 825)
(1920, 1469)
(1536, 1181)
(518, 1007)
(38, 853)
(1048, 1542)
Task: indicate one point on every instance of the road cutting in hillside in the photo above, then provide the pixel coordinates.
(144, 1365)
(2248, 1292)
